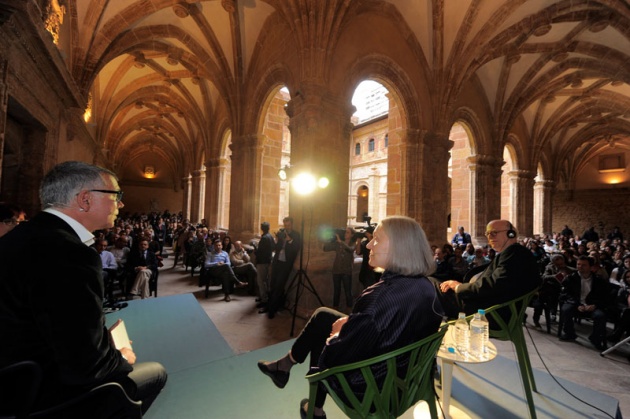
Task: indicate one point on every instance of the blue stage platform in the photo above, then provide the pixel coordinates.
(207, 380)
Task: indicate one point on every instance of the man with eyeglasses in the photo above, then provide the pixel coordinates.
(511, 274)
(57, 319)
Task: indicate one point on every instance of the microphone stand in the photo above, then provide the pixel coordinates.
(303, 281)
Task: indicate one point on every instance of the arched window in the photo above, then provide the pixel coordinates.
(371, 145)
(357, 149)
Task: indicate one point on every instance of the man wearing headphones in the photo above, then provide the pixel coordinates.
(511, 274)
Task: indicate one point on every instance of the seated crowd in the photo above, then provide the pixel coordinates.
(581, 277)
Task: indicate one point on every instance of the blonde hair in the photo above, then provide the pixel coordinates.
(409, 250)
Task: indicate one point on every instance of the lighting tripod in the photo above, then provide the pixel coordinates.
(303, 281)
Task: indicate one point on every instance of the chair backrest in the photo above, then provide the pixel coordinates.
(107, 401)
(19, 384)
(397, 393)
(508, 317)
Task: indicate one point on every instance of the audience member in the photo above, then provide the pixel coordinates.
(69, 341)
(227, 244)
(478, 259)
(555, 272)
(120, 251)
(615, 234)
(590, 235)
(584, 294)
(461, 237)
(400, 309)
(567, 232)
(217, 264)
(288, 245)
(442, 267)
(241, 265)
(622, 306)
(142, 265)
(458, 265)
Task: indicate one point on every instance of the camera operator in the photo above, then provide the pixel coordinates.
(367, 275)
(288, 242)
(342, 266)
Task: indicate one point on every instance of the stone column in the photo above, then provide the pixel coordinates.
(374, 180)
(195, 215)
(320, 136)
(522, 195)
(201, 191)
(212, 198)
(429, 177)
(245, 187)
(485, 194)
(543, 192)
(186, 202)
(4, 100)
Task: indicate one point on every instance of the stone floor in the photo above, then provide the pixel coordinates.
(246, 330)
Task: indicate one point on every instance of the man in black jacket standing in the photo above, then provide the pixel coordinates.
(264, 253)
(287, 249)
(58, 321)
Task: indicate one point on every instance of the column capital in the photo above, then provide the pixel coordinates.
(522, 174)
(545, 183)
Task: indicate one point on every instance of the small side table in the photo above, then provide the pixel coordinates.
(447, 358)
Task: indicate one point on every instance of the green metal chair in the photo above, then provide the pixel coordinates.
(512, 330)
(396, 394)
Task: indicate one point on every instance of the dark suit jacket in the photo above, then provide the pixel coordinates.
(572, 288)
(512, 273)
(135, 258)
(51, 311)
(291, 249)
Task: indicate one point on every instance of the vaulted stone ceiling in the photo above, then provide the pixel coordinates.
(167, 76)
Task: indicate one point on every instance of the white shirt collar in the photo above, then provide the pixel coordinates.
(84, 235)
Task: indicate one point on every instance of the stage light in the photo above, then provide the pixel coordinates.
(304, 184)
(283, 173)
(323, 182)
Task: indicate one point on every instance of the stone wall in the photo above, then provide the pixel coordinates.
(601, 208)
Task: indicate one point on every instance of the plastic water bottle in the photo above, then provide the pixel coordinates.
(462, 334)
(486, 330)
(479, 335)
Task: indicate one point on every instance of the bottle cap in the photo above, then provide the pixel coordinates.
(481, 311)
(451, 349)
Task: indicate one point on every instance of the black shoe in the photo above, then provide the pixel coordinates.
(537, 324)
(261, 305)
(568, 338)
(279, 378)
(597, 344)
(303, 411)
(262, 310)
(271, 314)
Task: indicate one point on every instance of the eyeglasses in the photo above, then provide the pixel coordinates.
(493, 233)
(119, 194)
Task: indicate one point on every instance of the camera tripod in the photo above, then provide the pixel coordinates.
(303, 281)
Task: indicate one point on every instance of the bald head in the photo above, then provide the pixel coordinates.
(497, 234)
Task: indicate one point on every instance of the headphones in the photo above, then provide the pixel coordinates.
(511, 233)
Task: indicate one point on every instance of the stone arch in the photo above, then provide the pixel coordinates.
(405, 119)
